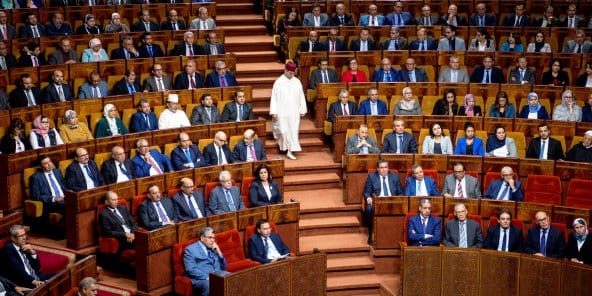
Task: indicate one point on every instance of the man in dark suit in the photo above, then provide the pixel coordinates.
(83, 173)
(381, 182)
(63, 55)
(118, 168)
(158, 81)
(373, 106)
(145, 24)
(8, 59)
(572, 20)
(187, 48)
(190, 78)
(459, 184)
(189, 203)
(266, 246)
(221, 77)
(552, 148)
(225, 197)
(398, 17)
(340, 18)
(147, 49)
(323, 74)
(521, 74)
(202, 258)
(505, 237)
(462, 232)
(452, 17)
(387, 73)
(412, 74)
(186, 155)
(212, 46)
(544, 239)
(487, 73)
(173, 23)
(395, 41)
(547, 19)
(311, 44)
(518, 18)
(47, 185)
(20, 262)
(206, 113)
(57, 90)
(399, 141)
(333, 43)
(218, 152)
(420, 185)
(31, 28)
(127, 50)
(57, 27)
(31, 56)
(239, 110)
(11, 288)
(249, 149)
(25, 94)
(426, 18)
(143, 120)
(117, 222)
(128, 85)
(156, 212)
(150, 162)
(363, 43)
(7, 31)
(505, 188)
(481, 17)
(343, 107)
(424, 229)
(423, 41)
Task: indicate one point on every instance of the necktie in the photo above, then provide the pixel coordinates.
(400, 144)
(341, 19)
(191, 208)
(521, 75)
(35, 32)
(97, 92)
(127, 55)
(147, 120)
(209, 112)
(505, 241)
(373, 21)
(462, 235)
(90, 174)
(418, 191)
(124, 171)
(131, 88)
(118, 216)
(481, 21)
(487, 76)
(387, 76)
(253, 154)
(396, 44)
(325, 77)
(30, 99)
(427, 21)
(3, 63)
(400, 20)
(213, 49)
(266, 245)
(160, 85)
(191, 82)
(570, 22)
(61, 93)
(239, 116)
(231, 205)
(161, 214)
(54, 185)
(517, 21)
(147, 25)
(205, 25)
(220, 155)
(453, 76)
(149, 50)
(155, 166)
(459, 189)
(175, 26)
(222, 83)
(28, 265)
(424, 222)
(188, 156)
(451, 43)
(385, 190)
(412, 76)
(543, 247)
(35, 61)
(542, 152)
(4, 32)
(504, 191)
(345, 111)
(421, 46)
(332, 46)
(191, 50)
(579, 49)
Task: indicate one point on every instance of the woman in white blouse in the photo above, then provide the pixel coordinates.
(483, 41)
(539, 44)
(42, 135)
(436, 142)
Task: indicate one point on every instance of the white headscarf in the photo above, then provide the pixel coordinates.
(111, 121)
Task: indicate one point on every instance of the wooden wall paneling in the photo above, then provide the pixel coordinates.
(462, 271)
(539, 276)
(188, 230)
(223, 222)
(421, 270)
(491, 280)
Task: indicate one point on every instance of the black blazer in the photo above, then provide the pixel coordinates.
(139, 27)
(205, 49)
(514, 239)
(167, 26)
(211, 157)
(156, 51)
(120, 87)
(25, 60)
(336, 110)
(258, 196)
(182, 81)
(257, 249)
(25, 31)
(304, 46)
(11, 31)
(339, 45)
(497, 76)
(241, 150)
(49, 94)
(18, 99)
(182, 211)
(11, 61)
(149, 215)
(584, 254)
(119, 54)
(179, 49)
(390, 143)
(8, 145)
(230, 112)
(178, 158)
(75, 180)
(555, 242)
(14, 268)
(476, 110)
(554, 149)
(109, 170)
(355, 45)
(111, 227)
(510, 19)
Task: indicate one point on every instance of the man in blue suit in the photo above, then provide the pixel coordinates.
(420, 185)
(221, 77)
(399, 141)
(424, 229)
(543, 239)
(127, 50)
(398, 17)
(147, 49)
(412, 73)
(343, 107)
(482, 18)
(363, 43)
(95, 87)
(202, 258)
(387, 73)
(83, 173)
(249, 149)
(423, 41)
(504, 237)
(372, 19)
(144, 120)
(505, 188)
(380, 183)
(238, 110)
(188, 203)
(225, 197)
(128, 85)
(47, 185)
(373, 106)
(156, 212)
(487, 73)
(186, 155)
(150, 162)
(266, 246)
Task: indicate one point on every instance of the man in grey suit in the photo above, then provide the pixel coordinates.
(426, 18)
(158, 81)
(412, 74)
(64, 55)
(572, 20)
(451, 42)
(225, 197)
(521, 74)
(453, 73)
(212, 45)
(10, 29)
(203, 21)
(315, 18)
(395, 41)
(323, 74)
(462, 232)
(95, 87)
(188, 203)
(459, 184)
(579, 44)
(361, 143)
(206, 113)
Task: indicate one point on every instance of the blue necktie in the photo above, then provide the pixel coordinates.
(188, 156)
(266, 245)
(400, 144)
(385, 190)
(124, 171)
(481, 21)
(240, 113)
(161, 213)
(90, 175)
(487, 76)
(543, 247)
(54, 185)
(149, 47)
(421, 46)
(191, 208)
(219, 155)
(542, 152)
(504, 240)
(130, 88)
(231, 205)
(505, 191)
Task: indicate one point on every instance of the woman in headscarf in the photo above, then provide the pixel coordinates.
(469, 144)
(73, 131)
(568, 110)
(110, 124)
(499, 145)
(15, 140)
(89, 27)
(469, 109)
(407, 105)
(579, 244)
(534, 109)
(94, 52)
(115, 26)
(42, 135)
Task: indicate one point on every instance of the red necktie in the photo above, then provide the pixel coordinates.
(222, 84)
(333, 46)
(345, 111)
(253, 154)
(4, 32)
(191, 50)
(192, 81)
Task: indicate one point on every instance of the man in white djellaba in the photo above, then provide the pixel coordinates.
(287, 106)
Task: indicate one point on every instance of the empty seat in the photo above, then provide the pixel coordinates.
(579, 194)
(543, 189)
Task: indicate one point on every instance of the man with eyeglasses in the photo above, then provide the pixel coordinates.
(83, 172)
(7, 31)
(249, 149)
(150, 162)
(481, 17)
(225, 197)
(505, 188)
(453, 73)
(266, 246)
(426, 18)
(461, 185)
(221, 77)
(20, 262)
(450, 42)
(188, 203)
(323, 74)
(462, 232)
(206, 112)
(118, 168)
(156, 212)
(423, 41)
(95, 87)
(186, 155)
(218, 152)
(395, 41)
(202, 258)
(387, 73)
(413, 74)
(399, 17)
(343, 106)
(547, 19)
(47, 185)
(158, 81)
(7, 60)
(399, 141)
(543, 239)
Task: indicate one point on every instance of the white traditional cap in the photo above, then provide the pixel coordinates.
(173, 98)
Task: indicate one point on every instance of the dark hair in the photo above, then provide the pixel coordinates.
(432, 127)
(40, 158)
(503, 211)
(459, 163)
(204, 95)
(14, 124)
(498, 127)
(258, 170)
(516, 37)
(469, 124)
(260, 222)
(501, 94)
(558, 61)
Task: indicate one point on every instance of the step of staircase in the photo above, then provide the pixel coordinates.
(315, 162)
(234, 43)
(365, 284)
(231, 19)
(240, 30)
(329, 225)
(268, 56)
(316, 181)
(334, 243)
